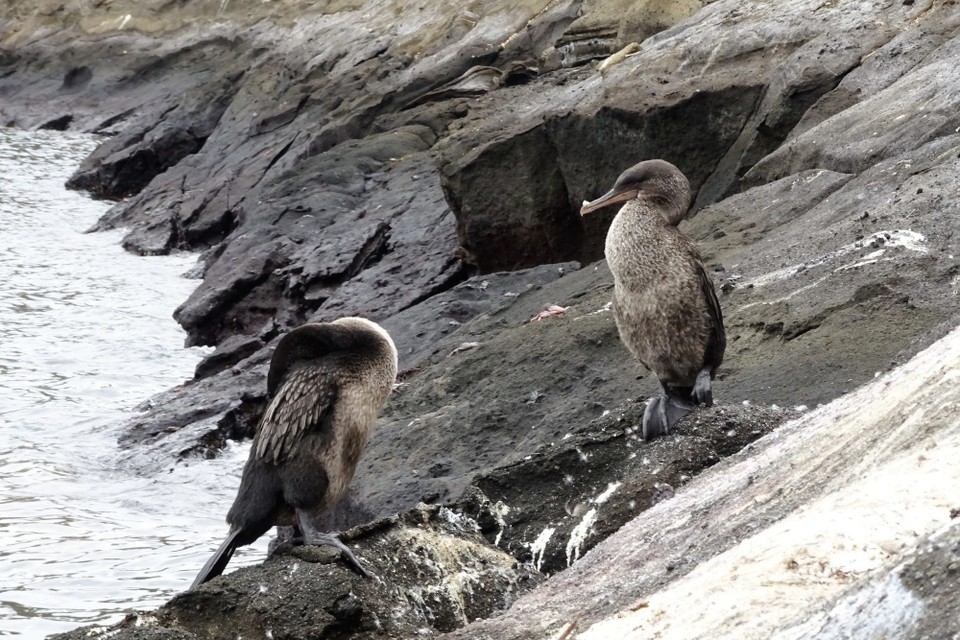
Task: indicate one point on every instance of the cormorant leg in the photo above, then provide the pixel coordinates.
(703, 388)
(285, 535)
(314, 537)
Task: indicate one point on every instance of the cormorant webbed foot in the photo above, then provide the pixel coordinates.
(654, 420)
(661, 414)
(313, 537)
(703, 388)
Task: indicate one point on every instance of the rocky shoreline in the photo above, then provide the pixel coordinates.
(423, 164)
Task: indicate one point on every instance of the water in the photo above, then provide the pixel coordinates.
(86, 334)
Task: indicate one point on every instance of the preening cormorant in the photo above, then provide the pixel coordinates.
(327, 383)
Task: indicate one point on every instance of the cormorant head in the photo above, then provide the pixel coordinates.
(359, 344)
(363, 324)
(656, 180)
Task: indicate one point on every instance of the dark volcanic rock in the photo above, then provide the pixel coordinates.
(517, 198)
(555, 505)
(418, 329)
(228, 353)
(432, 573)
(126, 163)
(332, 239)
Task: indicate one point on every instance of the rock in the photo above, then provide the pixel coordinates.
(432, 573)
(632, 21)
(126, 163)
(279, 267)
(805, 535)
(697, 95)
(228, 353)
(858, 288)
(875, 96)
(232, 299)
(552, 507)
(419, 328)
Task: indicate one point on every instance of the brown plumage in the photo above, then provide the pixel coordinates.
(327, 383)
(664, 303)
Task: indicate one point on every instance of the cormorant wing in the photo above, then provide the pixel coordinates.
(718, 339)
(303, 403)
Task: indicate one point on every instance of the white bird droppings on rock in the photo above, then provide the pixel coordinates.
(144, 620)
(894, 608)
(604, 309)
(459, 520)
(882, 240)
(579, 535)
(538, 546)
(603, 497)
(797, 577)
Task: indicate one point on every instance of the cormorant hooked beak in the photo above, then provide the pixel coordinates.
(610, 197)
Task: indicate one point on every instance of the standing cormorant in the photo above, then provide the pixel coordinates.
(327, 383)
(664, 303)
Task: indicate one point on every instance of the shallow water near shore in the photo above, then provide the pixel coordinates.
(86, 334)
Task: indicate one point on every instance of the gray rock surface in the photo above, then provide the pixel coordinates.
(810, 533)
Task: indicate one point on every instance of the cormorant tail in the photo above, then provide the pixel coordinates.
(218, 562)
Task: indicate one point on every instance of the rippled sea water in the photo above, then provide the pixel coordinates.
(86, 334)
